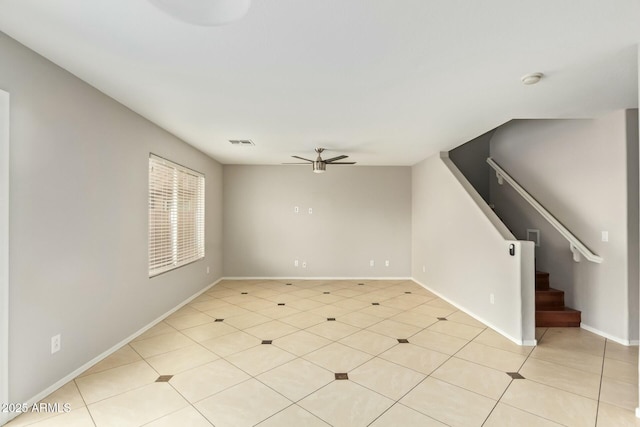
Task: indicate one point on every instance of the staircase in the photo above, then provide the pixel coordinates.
(550, 308)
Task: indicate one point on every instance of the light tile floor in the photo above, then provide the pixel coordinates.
(450, 372)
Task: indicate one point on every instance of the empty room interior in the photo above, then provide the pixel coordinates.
(319, 213)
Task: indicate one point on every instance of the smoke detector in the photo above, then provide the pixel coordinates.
(532, 78)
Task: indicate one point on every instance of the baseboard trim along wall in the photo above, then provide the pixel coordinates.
(498, 330)
(608, 336)
(313, 278)
(110, 351)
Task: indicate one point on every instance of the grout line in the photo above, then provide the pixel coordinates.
(604, 352)
(84, 401)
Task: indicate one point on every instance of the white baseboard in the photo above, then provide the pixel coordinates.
(311, 278)
(608, 336)
(479, 319)
(110, 351)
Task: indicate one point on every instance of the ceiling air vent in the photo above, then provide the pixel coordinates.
(241, 142)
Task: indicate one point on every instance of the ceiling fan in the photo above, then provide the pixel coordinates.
(319, 165)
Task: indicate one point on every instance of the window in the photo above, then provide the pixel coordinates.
(176, 215)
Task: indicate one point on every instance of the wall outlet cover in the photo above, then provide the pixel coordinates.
(55, 344)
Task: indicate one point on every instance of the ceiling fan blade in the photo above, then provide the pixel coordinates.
(343, 163)
(295, 163)
(302, 158)
(333, 159)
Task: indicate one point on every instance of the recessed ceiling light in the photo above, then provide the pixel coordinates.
(532, 78)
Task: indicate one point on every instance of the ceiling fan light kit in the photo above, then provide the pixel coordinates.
(319, 167)
(204, 12)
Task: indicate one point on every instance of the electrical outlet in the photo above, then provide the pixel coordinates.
(492, 300)
(372, 263)
(605, 236)
(296, 209)
(55, 344)
(295, 263)
(208, 269)
(424, 269)
(386, 263)
(304, 264)
(310, 211)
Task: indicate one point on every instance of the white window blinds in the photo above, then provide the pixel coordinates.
(176, 215)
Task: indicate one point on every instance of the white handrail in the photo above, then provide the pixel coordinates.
(575, 245)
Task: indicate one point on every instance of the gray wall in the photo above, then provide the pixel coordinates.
(471, 160)
(78, 221)
(359, 214)
(461, 252)
(580, 171)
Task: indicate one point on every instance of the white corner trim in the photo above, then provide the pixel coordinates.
(637, 412)
(608, 336)
(4, 251)
(112, 350)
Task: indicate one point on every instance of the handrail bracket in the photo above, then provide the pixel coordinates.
(575, 251)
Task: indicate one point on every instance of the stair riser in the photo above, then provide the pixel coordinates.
(542, 281)
(558, 319)
(549, 299)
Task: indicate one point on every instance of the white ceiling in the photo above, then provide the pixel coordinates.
(388, 82)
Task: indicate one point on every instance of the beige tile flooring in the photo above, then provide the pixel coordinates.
(451, 372)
